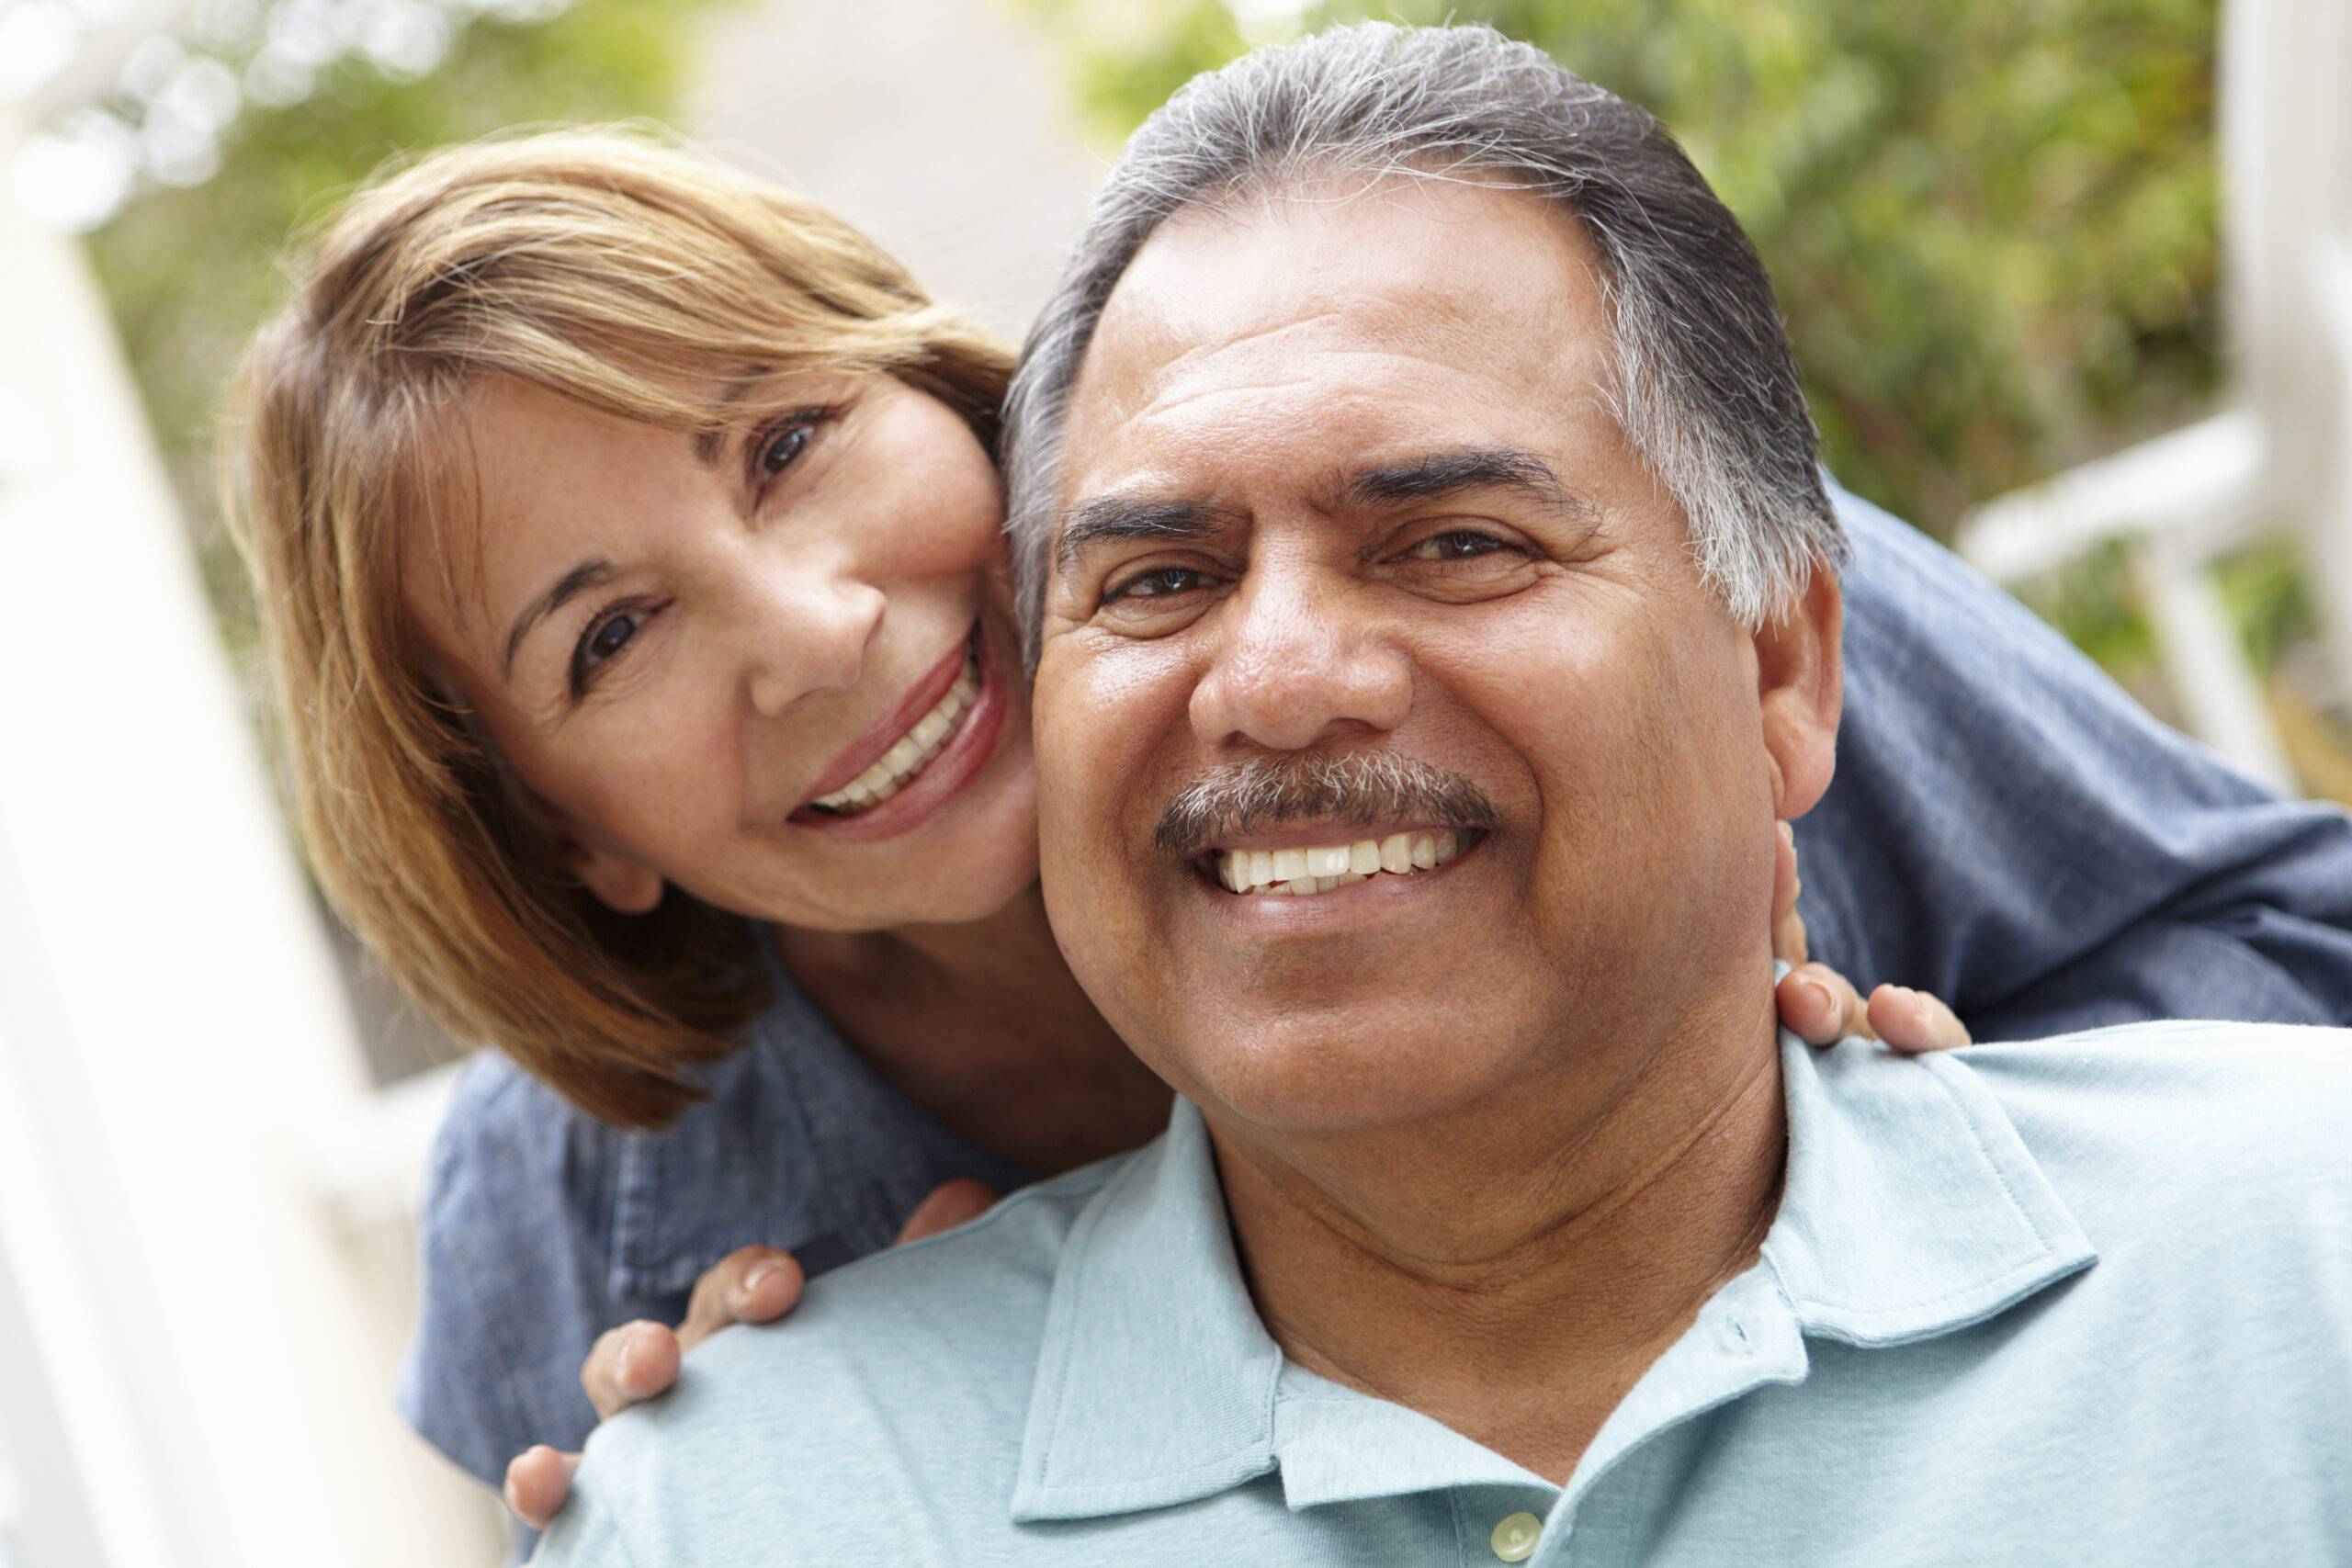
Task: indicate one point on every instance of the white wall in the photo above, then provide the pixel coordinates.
(205, 1360)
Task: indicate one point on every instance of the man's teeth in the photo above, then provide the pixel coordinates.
(1320, 870)
(911, 752)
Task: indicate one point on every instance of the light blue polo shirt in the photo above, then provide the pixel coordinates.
(2080, 1300)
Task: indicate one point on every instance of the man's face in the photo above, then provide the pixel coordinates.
(1352, 548)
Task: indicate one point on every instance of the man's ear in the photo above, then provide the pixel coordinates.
(1800, 687)
(624, 885)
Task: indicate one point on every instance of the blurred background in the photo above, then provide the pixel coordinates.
(2069, 280)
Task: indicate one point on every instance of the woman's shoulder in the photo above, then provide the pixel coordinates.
(519, 1176)
(502, 1121)
(542, 1227)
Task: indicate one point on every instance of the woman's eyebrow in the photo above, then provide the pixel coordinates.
(570, 585)
(710, 442)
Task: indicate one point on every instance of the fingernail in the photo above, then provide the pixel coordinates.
(1820, 993)
(761, 1276)
(1787, 834)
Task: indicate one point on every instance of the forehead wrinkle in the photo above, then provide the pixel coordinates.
(1213, 303)
(1414, 309)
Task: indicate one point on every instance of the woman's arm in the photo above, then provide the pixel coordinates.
(2009, 830)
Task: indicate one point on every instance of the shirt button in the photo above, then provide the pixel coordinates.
(1514, 1539)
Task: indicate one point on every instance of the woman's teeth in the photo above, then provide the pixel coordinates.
(897, 767)
(1303, 870)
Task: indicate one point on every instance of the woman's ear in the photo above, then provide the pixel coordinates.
(1801, 684)
(623, 886)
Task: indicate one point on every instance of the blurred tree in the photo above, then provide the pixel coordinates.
(1993, 226)
(190, 272)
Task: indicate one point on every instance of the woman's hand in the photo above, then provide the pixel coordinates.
(633, 1363)
(1820, 1005)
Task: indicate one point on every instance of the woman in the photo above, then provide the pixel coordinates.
(627, 541)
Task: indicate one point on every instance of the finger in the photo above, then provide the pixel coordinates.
(951, 1204)
(1788, 926)
(1916, 1020)
(628, 1365)
(1808, 1009)
(538, 1483)
(751, 1284)
(1821, 1005)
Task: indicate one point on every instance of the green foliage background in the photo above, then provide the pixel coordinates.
(190, 273)
(1993, 226)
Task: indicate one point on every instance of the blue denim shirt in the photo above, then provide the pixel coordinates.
(2007, 829)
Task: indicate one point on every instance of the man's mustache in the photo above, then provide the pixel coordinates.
(1359, 787)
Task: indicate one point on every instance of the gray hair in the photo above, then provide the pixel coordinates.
(1705, 387)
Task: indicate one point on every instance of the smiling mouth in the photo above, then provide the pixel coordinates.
(911, 752)
(1308, 870)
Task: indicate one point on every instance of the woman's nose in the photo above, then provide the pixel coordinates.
(802, 637)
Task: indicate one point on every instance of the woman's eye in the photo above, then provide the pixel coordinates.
(783, 447)
(601, 643)
(782, 443)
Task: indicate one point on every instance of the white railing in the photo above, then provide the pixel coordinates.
(2279, 459)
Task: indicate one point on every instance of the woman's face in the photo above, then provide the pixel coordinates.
(778, 671)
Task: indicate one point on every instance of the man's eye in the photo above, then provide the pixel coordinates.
(1459, 544)
(1158, 584)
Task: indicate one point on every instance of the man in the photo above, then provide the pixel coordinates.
(1434, 608)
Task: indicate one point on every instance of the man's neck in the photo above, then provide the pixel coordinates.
(1512, 1272)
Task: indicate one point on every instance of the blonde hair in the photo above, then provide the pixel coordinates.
(641, 280)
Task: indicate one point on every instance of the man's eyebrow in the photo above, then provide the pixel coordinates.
(570, 585)
(1119, 517)
(1441, 474)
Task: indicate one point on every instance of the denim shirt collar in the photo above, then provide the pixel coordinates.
(799, 1144)
(1910, 1208)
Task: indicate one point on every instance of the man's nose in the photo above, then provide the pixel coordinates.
(1298, 661)
(802, 633)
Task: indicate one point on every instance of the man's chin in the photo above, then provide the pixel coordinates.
(1333, 1071)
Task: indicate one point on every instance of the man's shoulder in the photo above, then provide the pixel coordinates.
(2181, 1083)
(899, 1380)
(2165, 1126)
(948, 1295)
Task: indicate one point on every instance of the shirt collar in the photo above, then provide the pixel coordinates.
(1910, 1208)
(1156, 1383)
